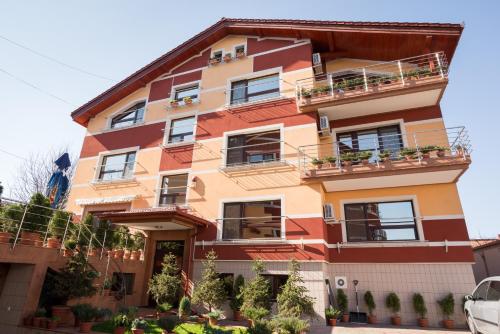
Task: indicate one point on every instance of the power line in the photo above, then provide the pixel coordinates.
(36, 87)
(12, 154)
(55, 60)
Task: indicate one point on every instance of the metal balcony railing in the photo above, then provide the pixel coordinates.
(374, 149)
(251, 228)
(379, 77)
(173, 196)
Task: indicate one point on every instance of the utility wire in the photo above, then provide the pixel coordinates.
(36, 87)
(55, 60)
(12, 154)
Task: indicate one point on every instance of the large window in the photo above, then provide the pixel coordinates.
(255, 89)
(380, 221)
(181, 130)
(252, 220)
(118, 166)
(129, 117)
(173, 189)
(191, 91)
(387, 138)
(253, 148)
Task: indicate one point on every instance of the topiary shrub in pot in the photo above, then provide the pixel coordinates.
(86, 314)
(292, 325)
(139, 326)
(343, 304)
(57, 226)
(214, 317)
(420, 309)
(331, 315)
(370, 304)
(393, 303)
(168, 323)
(237, 299)
(184, 308)
(447, 305)
(120, 323)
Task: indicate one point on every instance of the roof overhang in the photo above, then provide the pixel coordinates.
(367, 40)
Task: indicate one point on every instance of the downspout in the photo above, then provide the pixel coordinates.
(190, 260)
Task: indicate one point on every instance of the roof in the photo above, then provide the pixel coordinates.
(149, 214)
(323, 35)
(484, 243)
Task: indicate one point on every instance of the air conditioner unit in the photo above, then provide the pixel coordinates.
(340, 282)
(328, 211)
(324, 125)
(317, 66)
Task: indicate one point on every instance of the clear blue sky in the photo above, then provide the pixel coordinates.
(115, 38)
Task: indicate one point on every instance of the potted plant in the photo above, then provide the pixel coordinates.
(331, 161)
(162, 309)
(385, 156)
(306, 95)
(420, 309)
(441, 151)
(426, 151)
(255, 314)
(120, 323)
(57, 226)
(138, 246)
(365, 157)
(69, 247)
(392, 303)
(447, 305)
(39, 315)
(318, 163)
(237, 299)
(102, 314)
(5, 231)
(36, 220)
(106, 286)
(52, 322)
(408, 153)
(174, 103)
(240, 53)
(85, 314)
(347, 158)
(168, 323)
(343, 304)
(187, 100)
(228, 57)
(370, 304)
(214, 60)
(460, 149)
(139, 325)
(119, 253)
(331, 315)
(184, 308)
(213, 317)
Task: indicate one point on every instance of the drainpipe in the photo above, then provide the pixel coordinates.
(190, 259)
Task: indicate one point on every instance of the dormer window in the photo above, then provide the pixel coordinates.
(131, 116)
(239, 51)
(217, 55)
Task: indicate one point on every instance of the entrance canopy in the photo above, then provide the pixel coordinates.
(155, 219)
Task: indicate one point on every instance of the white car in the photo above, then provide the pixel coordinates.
(482, 308)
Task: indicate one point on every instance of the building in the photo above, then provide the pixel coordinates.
(486, 258)
(261, 139)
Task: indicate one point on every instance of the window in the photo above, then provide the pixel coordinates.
(386, 138)
(253, 148)
(252, 220)
(118, 166)
(380, 221)
(255, 89)
(240, 49)
(173, 190)
(191, 91)
(181, 130)
(217, 55)
(276, 282)
(494, 291)
(480, 293)
(129, 117)
(123, 283)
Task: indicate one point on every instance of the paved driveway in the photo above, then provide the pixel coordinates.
(370, 329)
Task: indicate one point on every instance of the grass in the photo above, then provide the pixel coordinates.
(185, 328)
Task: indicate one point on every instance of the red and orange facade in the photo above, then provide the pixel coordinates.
(278, 139)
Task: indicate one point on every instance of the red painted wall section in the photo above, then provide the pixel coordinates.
(334, 233)
(306, 228)
(449, 229)
(194, 63)
(401, 254)
(257, 46)
(284, 111)
(408, 115)
(176, 157)
(208, 233)
(290, 59)
(265, 252)
(161, 89)
(144, 136)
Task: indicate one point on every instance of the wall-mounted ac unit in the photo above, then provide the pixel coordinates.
(317, 66)
(324, 125)
(328, 211)
(340, 282)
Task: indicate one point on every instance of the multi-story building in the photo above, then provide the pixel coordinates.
(281, 139)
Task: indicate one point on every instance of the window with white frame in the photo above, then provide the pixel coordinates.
(239, 50)
(253, 148)
(252, 220)
(173, 190)
(380, 221)
(131, 116)
(117, 166)
(190, 92)
(255, 89)
(181, 130)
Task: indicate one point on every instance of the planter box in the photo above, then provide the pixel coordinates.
(5, 237)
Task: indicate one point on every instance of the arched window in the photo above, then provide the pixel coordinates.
(131, 116)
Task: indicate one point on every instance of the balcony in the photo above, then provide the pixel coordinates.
(434, 156)
(381, 87)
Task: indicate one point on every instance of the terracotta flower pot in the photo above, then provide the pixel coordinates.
(365, 162)
(119, 253)
(448, 324)
(85, 327)
(67, 252)
(138, 331)
(30, 238)
(372, 319)
(396, 320)
(51, 324)
(119, 330)
(440, 154)
(126, 255)
(347, 163)
(426, 156)
(37, 322)
(236, 315)
(212, 321)
(423, 322)
(5, 237)
(111, 253)
(53, 243)
(345, 317)
(135, 255)
(332, 322)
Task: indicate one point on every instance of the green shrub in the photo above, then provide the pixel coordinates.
(392, 303)
(260, 327)
(168, 323)
(185, 307)
(419, 305)
(257, 293)
(349, 156)
(384, 155)
(103, 313)
(365, 155)
(38, 214)
(70, 244)
(138, 241)
(427, 148)
(332, 313)
(255, 314)
(237, 300)
(164, 286)
(210, 289)
(214, 315)
(40, 312)
(342, 301)
(85, 312)
(164, 307)
(447, 305)
(331, 160)
(317, 162)
(369, 301)
(289, 325)
(121, 320)
(408, 152)
(57, 224)
(139, 323)
(293, 299)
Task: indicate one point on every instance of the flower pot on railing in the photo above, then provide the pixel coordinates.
(135, 255)
(345, 317)
(111, 253)
(119, 253)
(67, 252)
(227, 58)
(5, 237)
(126, 254)
(240, 55)
(441, 152)
(53, 243)
(187, 100)
(30, 238)
(214, 61)
(174, 103)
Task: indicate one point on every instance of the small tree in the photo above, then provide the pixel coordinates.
(369, 301)
(164, 286)
(392, 302)
(447, 305)
(57, 224)
(342, 301)
(237, 301)
(257, 293)
(293, 300)
(419, 305)
(38, 214)
(210, 290)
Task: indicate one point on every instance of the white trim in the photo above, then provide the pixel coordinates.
(105, 200)
(302, 126)
(425, 121)
(204, 171)
(281, 49)
(170, 76)
(305, 215)
(110, 117)
(443, 217)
